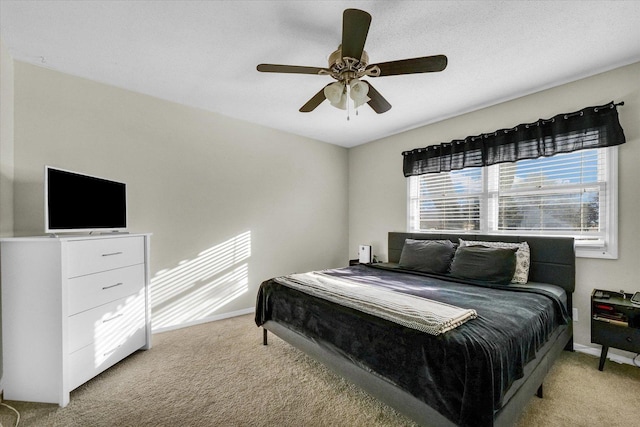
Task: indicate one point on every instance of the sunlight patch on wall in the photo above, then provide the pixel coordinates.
(197, 288)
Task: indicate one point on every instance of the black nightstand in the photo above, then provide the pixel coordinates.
(615, 322)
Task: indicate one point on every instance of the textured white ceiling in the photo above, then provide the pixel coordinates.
(204, 53)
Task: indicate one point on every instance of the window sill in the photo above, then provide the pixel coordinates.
(601, 253)
(582, 251)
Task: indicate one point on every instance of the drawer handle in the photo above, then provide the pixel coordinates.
(113, 318)
(112, 254)
(111, 351)
(629, 339)
(112, 286)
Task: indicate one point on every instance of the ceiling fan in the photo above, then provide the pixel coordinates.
(350, 62)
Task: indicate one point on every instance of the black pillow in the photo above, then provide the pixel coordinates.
(429, 256)
(492, 265)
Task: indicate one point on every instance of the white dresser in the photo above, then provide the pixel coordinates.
(71, 308)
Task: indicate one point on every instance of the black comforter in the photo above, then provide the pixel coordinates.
(465, 373)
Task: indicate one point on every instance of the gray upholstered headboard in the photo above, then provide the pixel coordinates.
(553, 259)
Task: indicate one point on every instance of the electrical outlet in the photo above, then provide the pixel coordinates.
(575, 314)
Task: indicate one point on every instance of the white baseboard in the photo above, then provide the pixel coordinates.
(204, 320)
(596, 352)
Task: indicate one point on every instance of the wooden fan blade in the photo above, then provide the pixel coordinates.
(314, 102)
(293, 69)
(377, 101)
(355, 26)
(427, 64)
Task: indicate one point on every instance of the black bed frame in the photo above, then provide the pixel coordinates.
(552, 261)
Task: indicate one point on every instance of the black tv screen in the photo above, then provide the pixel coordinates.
(79, 202)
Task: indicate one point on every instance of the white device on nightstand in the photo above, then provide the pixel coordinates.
(365, 254)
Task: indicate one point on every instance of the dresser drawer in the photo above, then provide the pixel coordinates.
(93, 256)
(86, 292)
(621, 337)
(89, 361)
(105, 327)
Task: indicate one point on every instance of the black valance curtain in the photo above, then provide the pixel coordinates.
(591, 127)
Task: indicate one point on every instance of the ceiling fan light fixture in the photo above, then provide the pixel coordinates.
(358, 92)
(336, 94)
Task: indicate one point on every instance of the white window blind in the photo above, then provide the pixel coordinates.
(446, 200)
(572, 194)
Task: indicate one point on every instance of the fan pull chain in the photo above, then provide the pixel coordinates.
(348, 89)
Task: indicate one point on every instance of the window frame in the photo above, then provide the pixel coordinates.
(607, 250)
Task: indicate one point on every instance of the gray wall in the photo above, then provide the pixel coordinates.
(378, 189)
(6, 156)
(230, 204)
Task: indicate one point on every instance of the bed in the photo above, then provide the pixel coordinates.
(481, 372)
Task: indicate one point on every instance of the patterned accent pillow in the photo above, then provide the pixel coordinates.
(523, 256)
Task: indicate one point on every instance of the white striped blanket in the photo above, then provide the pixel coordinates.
(412, 311)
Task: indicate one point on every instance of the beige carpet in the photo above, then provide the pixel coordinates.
(220, 374)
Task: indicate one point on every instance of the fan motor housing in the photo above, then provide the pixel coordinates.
(345, 68)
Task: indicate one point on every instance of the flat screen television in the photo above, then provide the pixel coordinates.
(75, 202)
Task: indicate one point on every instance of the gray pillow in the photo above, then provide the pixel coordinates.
(492, 265)
(429, 256)
(523, 256)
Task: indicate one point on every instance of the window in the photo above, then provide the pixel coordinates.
(572, 194)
